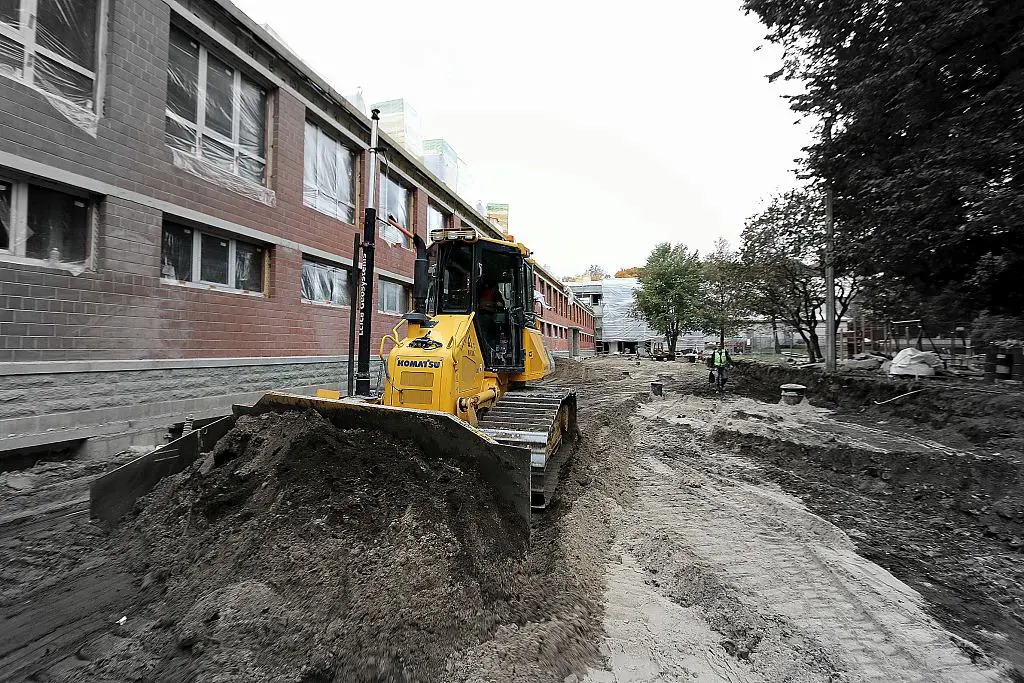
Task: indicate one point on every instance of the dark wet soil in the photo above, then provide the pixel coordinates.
(949, 524)
(300, 551)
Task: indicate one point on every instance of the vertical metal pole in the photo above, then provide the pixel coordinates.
(354, 282)
(366, 266)
(830, 286)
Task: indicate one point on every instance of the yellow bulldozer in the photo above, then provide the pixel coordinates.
(456, 382)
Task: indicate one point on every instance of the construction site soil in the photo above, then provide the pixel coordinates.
(694, 536)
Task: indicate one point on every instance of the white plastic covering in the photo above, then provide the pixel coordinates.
(617, 321)
(394, 205)
(440, 158)
(915, 363)
(227, 144)
(401, 122)
(55, 55)
(45, 225)
(324, 284)
(329, 175)
(212, 173)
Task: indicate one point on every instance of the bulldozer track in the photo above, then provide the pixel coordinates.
(540, 420)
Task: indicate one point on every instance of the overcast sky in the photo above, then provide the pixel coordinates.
(605, 130)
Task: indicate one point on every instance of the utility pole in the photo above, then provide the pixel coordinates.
(366, 302)
(830, 284)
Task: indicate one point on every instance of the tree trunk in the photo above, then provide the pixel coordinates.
(816, 344)
(721, 336)
(775, 336)
(810, 347)
(672, 339)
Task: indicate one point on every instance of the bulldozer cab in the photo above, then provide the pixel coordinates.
(491, 280)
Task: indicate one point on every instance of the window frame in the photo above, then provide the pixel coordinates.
(385, 175)
(347, 270)
(201, 130)
(321, 132)
(446, 217)
(25, 36)
(18, 222)
(406, 291)
(197, 261)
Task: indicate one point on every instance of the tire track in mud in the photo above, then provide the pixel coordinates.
(718, 578)
(788, 563)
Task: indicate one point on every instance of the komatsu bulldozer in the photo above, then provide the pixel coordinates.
(456, 381)
(469, 349)
(472, 345)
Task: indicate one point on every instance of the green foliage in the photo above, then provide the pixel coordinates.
(782, 262)
(722, 292)
(670, 290)
(996, 328)
(921, 111)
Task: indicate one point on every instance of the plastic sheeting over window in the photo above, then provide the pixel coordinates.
(176, 253)
(324, 284)
(57, 226)
(618, 322)
(329, 178)
(248, 267)
(55, 53)
(393, 298)
(193, 256)
(5, 216)
(44, 224)
(223, 127)
(394, 205)
(436, 219)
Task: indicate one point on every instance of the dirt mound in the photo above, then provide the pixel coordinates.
(298, 551)
(569, 369)
(984, 415)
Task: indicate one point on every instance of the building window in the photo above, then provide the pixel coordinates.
(324, 284)
(392, 297)
(329, 175)
(436, 218)
(193, 256)
(43, 224)
(52, 45)
(395, 205)
(213, 111)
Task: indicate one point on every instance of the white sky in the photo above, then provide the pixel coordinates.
(605, 130)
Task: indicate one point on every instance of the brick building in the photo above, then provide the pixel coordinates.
(566, 321)
(179, 195)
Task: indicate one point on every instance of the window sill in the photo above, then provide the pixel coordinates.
(325, 304)
(207, 287)
(396, 314)
(60, 267)
(330, 215)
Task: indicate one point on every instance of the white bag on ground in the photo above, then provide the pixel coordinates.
(914, 363)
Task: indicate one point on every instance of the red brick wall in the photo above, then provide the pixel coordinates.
(564, 313)
(120, 309)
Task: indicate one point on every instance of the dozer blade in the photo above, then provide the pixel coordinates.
(504, 467)
(542, 420)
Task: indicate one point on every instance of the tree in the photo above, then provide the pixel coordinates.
(594, 272)
(669, 291)
(629, 272)
(782, 264)
(721, 307)
(920, 115)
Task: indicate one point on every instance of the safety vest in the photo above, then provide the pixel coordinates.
(720, 358)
